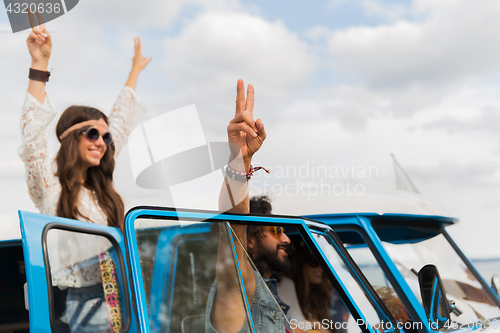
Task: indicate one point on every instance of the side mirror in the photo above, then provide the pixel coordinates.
(436, 305)
(495, 283)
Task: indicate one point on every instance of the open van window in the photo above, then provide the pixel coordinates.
(356, 246)
(86, 281)
(178, 261)
(377, 316)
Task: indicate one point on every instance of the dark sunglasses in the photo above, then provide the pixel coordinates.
(92, 134)
(278, 231)
(312, 262)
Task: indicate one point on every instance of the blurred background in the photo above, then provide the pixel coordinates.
(340, 85)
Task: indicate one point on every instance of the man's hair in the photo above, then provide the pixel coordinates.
(261, 205)
(258, 205)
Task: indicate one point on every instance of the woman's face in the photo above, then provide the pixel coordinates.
(313, 271)
(91, 152)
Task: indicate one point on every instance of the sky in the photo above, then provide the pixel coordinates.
(339, 85)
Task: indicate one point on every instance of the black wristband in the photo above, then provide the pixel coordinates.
(37, 75)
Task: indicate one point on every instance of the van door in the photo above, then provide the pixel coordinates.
(175, 256)
(76, 276)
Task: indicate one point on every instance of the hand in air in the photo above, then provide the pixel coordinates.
(243, 130)
(39, 41)
(138, 61)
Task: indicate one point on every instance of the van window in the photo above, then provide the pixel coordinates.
(365, 260)
(375, 317)
(178, 268)
(178, 265)
(86, 292)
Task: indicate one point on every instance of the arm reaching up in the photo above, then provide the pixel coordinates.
(127, 109)
(245, 136)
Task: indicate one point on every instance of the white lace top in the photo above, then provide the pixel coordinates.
(44, 187)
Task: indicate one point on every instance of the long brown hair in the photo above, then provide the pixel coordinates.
(99, 178)
(314, 299)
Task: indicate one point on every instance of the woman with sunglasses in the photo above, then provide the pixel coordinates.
(82, 187)
(306, 289)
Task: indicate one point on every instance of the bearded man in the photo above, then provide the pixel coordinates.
(267, 246)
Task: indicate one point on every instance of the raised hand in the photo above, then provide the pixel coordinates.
(243, 130)
(138, 61)
(39, 43)
(138, 64)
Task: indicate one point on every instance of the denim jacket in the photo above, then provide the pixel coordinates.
(266, 314)
(272, 284)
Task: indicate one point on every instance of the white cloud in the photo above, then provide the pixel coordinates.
(438, 122)
(435, 159)
(317, 33)
(379, 9)
(451, 45)
(130, 14)
(219, 47)
(355, 105)
(486, 120)
(335, 4)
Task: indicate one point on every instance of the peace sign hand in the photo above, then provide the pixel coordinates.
(139, 62)
(39, 43)
(243, 130)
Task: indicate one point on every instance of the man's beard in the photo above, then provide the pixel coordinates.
(268, 260)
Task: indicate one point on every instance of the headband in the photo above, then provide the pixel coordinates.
(99, 124)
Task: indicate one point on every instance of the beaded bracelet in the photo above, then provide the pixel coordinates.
(242, 175)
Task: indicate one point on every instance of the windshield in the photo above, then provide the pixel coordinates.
(460, 284)
(374, 315)
(359, 251)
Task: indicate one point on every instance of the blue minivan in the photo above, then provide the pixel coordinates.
(156, 274)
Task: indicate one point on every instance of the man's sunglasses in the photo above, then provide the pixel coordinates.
(312, 262)
(92, 134)
(278, 231)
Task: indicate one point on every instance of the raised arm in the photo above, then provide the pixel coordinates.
(138, 64)
(127, 109)
(245, 136)
(40, 47)
(37, 113)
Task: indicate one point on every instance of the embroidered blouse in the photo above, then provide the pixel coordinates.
(44, 187)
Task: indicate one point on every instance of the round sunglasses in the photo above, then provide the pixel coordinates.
(92, 134)
(312, 261)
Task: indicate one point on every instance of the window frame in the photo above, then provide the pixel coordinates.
(305, 227)
(125, 297)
